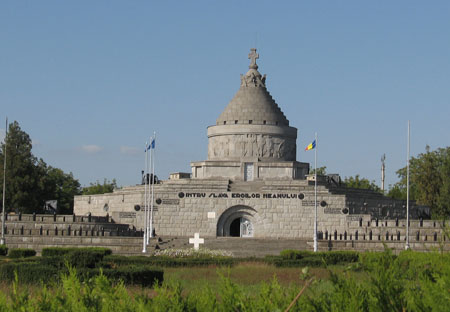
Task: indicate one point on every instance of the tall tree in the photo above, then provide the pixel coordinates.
(21, 179)
(429, 181)
(29, 181)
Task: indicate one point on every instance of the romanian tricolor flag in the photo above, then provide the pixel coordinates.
(311, 146)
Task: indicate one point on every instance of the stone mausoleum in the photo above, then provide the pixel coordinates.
(251, 184)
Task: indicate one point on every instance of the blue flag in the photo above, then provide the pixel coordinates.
(152, 144)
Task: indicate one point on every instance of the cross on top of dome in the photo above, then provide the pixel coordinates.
(253, 56)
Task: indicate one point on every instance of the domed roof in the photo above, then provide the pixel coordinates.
(252, 104)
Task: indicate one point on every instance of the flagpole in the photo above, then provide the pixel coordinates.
(153, 182)
(144, 248)
(147, 203)
(407, 189)
(315, 195)
(2, 240)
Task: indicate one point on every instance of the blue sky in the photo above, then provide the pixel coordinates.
(91, 80)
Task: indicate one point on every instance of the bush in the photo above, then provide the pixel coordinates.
(75, 257)
(295, 254)
(21, 253)
(61, 251)
(56, 262)
(339, 257)
(84, 258)
(55, 251)
(309, 258)
(28, 272)
(3, 250)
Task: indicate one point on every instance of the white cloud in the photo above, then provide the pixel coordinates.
(91, 148)
(129, 150)
(2, 135)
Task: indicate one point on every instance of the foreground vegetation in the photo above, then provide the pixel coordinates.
(410, 281)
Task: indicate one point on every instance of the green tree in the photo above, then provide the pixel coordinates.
(21, 174)
(429, 181)
(443, 202)
(361, 183)
(56, 184)
(97, 188)
(29, 181)
(320, 171)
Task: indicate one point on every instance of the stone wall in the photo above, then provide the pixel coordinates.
(276, 209)
(79, 231)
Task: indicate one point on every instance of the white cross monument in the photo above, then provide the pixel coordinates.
(196, 241)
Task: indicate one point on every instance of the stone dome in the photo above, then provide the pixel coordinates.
(252, 126)
(252, 104)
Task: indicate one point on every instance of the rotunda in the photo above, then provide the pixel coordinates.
(251, 139)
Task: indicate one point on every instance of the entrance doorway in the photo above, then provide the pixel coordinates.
(241, 227)
(235, 228)
(237, 221)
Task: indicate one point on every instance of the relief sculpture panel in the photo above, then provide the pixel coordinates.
(251, 145)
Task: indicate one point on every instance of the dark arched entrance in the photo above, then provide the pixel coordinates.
(235, 228)
(237, 221)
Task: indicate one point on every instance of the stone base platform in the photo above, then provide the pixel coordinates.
(240, 247)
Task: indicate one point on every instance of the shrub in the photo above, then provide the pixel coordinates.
(75, 257)
(295, 254)
(55, 261)
(289, 254)
(84, 258)
(21, 253)
(3, 250)
(291, 258)
(339, 257)
(130, 275)
(28, 272)
(61, 251)
(55, 251)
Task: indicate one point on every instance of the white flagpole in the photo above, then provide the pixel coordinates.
(315, 195)
(144, 248)
(147, 203)
(153, 182)
(2, 240)
(407, 189)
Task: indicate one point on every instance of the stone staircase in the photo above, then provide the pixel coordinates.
(255, 247)
(239, 247)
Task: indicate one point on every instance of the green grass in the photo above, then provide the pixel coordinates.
(247, 274)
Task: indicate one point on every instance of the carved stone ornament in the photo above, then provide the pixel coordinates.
(253, 77)
(251, 145)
